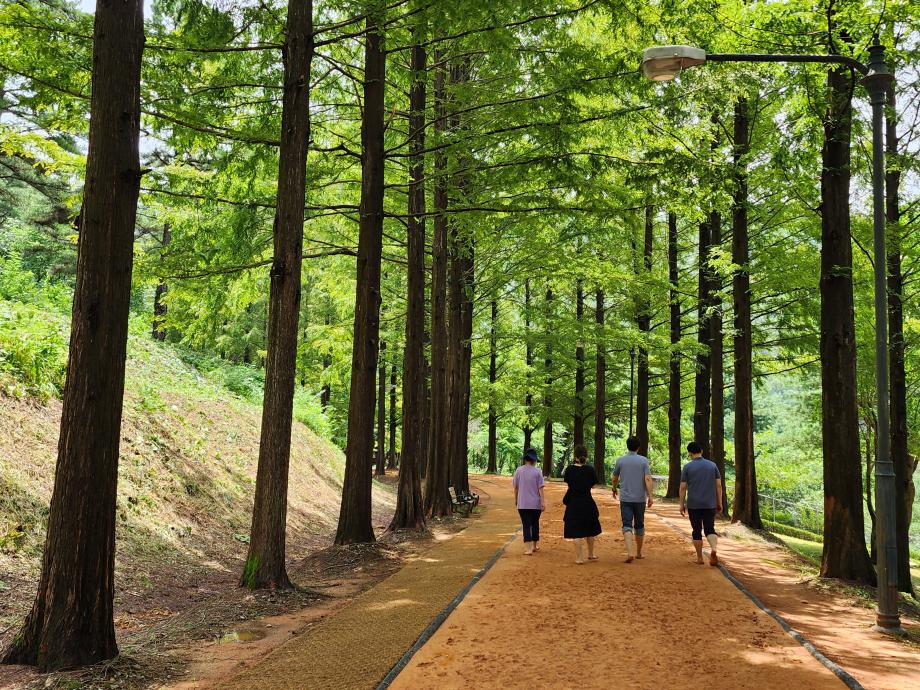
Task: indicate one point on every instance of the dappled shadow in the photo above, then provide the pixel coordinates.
(837, 623)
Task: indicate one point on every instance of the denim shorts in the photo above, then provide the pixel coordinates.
(633, 515)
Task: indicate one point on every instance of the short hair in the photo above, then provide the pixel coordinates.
(693, 447)
(581, 452)
(632, 443)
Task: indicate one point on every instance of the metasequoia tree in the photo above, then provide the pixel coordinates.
(265, 564)
(845, 554)
(71, 620)
(355, 514)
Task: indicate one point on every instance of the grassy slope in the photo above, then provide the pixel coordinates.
(188, 459)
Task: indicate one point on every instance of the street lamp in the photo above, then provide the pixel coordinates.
(663, 63)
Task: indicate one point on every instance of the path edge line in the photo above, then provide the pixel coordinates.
(432, 627)
(832, 666)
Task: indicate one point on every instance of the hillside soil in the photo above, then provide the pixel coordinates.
(187, 469)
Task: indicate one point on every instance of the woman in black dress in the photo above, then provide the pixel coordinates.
(582, 521)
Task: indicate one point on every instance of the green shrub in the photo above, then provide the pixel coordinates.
(789, 531)
(309, 411)
(244, 382)
(33, 352)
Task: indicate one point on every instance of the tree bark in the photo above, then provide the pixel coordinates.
(845, 554)
(460, 325)
(600, 399)
(437, 498)
(578, 427)
(159, 306)
(746, 506)
(355, 514)
(716, 361)
(70, 623)
(528, 344)
(493, 377)
(702, 389)
(265, 562)
(391, 448)
(674, 406)
(381, 470)
(900, 455)
(547, 397)
(326, 392)
(644, 322)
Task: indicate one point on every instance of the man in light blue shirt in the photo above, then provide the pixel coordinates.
(634, 478)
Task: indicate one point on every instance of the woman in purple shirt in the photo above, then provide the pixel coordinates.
(528, 497)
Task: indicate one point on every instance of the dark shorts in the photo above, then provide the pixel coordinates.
(703, 521)
(633, 516)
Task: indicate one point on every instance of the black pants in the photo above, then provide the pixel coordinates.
(702, 520)
(530, 518)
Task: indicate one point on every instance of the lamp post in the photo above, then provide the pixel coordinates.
(663, 63)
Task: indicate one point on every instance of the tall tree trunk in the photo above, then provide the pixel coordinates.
(578, 427)
(265, 562)
(600, 400)
(547, 397)
(391, 448)
(746, 507)
(70, 623)
(380, 470)
(460, 325)
(528, 345)
(493, 377)
(674, 441)
(845, 554)
(644, 321)
(326, 392)
(900, 456)
(716, 360)
(355, 514)
(159, 306)
(462, 423)
(437, 478)
(703, 390)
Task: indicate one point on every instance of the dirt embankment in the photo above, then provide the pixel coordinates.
(189, 451)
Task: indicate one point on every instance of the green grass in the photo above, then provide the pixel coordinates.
(811, 551)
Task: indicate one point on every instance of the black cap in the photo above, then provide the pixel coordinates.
(531, 454)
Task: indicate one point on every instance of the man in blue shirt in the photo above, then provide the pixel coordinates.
(701, 494)
(632, 474)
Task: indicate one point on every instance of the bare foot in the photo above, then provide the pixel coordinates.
(639, 556)
(592, 558)
(536, 548)
(713, 558)
(579, 562)
(629, 559)
(699, 561)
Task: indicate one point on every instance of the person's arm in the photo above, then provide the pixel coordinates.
(614, 484)
(542, 500)
(649, 486)
(718, 495)
(683, 498)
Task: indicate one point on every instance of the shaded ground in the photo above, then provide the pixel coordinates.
(545, 622)
(358, 645)
(834, 618)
